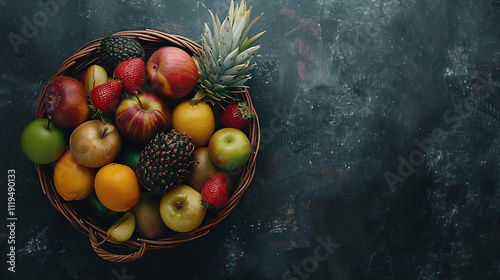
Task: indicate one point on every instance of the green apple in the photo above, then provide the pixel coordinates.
(229, 148)
(42, 141)
(181, 209)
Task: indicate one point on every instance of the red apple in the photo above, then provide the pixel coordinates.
(66, 102)
(83, 77)
(142, 116)
(172, 72)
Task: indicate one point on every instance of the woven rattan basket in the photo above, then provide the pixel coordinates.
(74, 66)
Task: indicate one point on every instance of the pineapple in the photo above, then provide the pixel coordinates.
(114, 49)
(224, 64)
(166, 161)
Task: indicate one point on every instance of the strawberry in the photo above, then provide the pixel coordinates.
(105, 97)
(132, 74)
(237, 115)
(215, 193)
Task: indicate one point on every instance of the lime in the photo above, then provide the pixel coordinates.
(99, 210)
(130, 156)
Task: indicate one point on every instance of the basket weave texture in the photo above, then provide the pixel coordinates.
(74, 66)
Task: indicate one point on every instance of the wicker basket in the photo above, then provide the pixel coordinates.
(74, 66)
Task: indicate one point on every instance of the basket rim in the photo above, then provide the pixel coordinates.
(74, 66)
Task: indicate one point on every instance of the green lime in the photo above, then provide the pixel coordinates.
(99, 210)
(130, 156)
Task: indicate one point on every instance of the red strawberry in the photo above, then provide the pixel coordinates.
(237, 115)
(215, 193)
(132, 74)
(105, 97)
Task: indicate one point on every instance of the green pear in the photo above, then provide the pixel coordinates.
(203, 169)
(148, 219)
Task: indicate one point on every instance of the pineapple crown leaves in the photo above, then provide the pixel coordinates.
(224, 64)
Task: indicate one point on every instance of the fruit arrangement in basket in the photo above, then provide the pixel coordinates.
(148, 139)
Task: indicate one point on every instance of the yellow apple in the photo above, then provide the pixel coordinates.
(181, 209)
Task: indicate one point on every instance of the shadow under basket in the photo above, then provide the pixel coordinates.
(74, 66)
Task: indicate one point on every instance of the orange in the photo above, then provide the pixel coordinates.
(72, 180)
(196, 119)
(116, 187)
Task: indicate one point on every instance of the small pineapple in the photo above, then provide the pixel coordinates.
(224, 65)
(166, 161)
(115, 49)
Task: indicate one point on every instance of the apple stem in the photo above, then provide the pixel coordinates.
(140, 103)
(104, 132)
(49, 119)
(102, 242)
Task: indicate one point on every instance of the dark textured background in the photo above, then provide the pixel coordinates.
(345, 91)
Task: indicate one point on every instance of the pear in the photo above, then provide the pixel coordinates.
(95, 75)
(203, 169)
(122, 229)
(148, 219)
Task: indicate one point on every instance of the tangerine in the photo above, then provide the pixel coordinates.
(72, 180)
(196, 119)
(116, 187)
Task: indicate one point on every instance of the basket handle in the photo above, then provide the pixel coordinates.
(113, 257)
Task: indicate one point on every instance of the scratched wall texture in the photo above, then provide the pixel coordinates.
(357, 86)
(380, 143)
